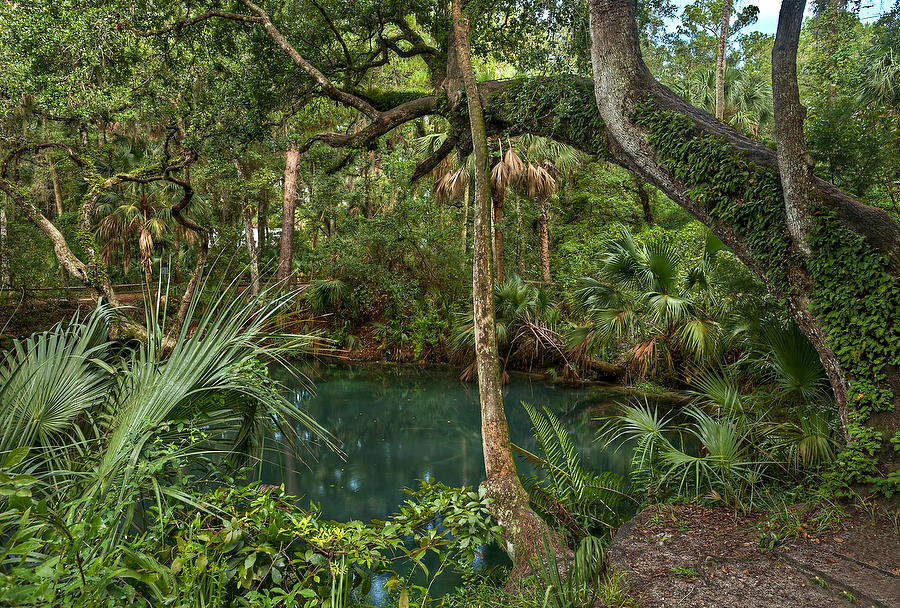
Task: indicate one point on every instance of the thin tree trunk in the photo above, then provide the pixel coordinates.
(644, 198)
(720, 59)
(544, 230)
(498, 196)
(520, 245)
(54, 180)
(522, 527)
(262, 221)
(4, 245)
(286, 254)
(247, 219)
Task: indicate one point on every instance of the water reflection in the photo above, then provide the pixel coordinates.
(400, 424)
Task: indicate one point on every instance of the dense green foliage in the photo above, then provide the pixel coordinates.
(863, 331)
(145, 145)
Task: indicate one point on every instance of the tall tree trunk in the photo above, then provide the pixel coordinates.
(644, 199)
(247, 219)
(522, 527)
(54, 180)
(849, 236)
(720, 59)
(262, 221)
(286, 254)
(4, 245)
(795, 168)
(498, 196)
(467, 196)
(544, 230)
(520, 245)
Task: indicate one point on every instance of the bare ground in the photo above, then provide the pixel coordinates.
(692, 556)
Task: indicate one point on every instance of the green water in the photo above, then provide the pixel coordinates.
(397, 425)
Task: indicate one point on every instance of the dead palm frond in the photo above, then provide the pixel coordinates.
(508, 170)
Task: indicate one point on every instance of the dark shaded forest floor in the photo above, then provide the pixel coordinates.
(22, 317)
(712, 557)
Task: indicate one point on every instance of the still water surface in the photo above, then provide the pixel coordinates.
(399, 424)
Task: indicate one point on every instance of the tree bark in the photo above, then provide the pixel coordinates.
(498, 196)
(247, 219)
(622, 81)
(286, 253)
(54, 180)
(469, 194)
(544, 230)
(795, 170)
(720, 59)
(4, 245)
(794, 161)
(644, 199)
(523, 529)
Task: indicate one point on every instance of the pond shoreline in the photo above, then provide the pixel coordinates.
(569, 382)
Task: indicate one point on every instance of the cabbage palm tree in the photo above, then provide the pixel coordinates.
(530, 164)
(879, 82)
(137, 215)
(546, 160)
(527, 327)
(748, 98)
(454, 182)
(645, 296)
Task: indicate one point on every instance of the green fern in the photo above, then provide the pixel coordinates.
(582, 501)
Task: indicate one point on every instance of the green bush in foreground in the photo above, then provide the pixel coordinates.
(232, 546)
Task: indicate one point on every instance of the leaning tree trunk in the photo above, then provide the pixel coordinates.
(190, 290)
(286, 254)
(544, 230)
(732, 184)
(720, 59)
(522, 528)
